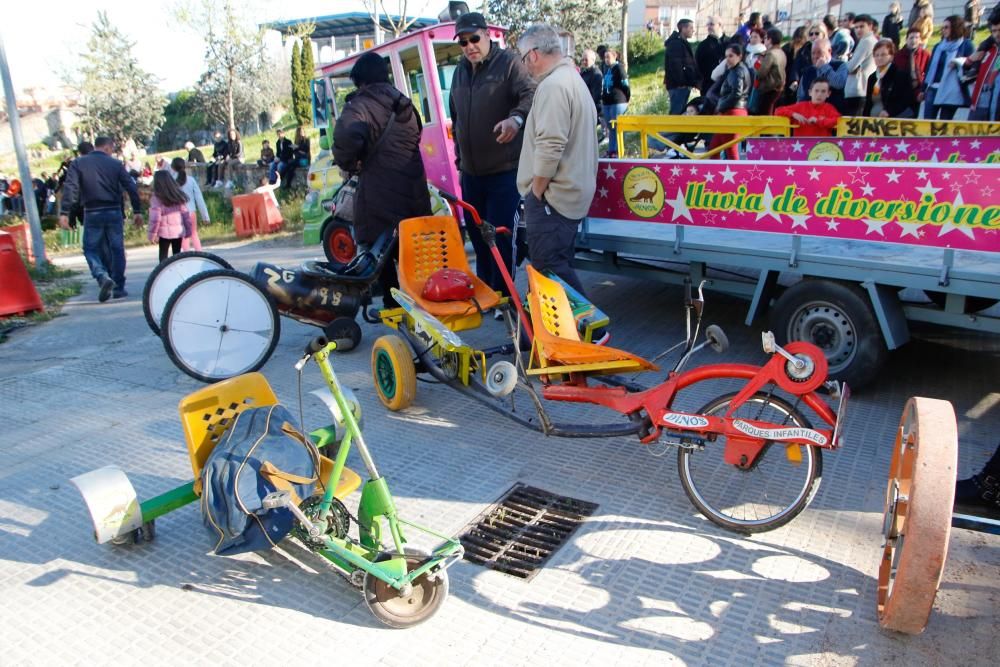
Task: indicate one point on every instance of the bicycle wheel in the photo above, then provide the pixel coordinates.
(219, 324)
(168, 275)
(770, 493)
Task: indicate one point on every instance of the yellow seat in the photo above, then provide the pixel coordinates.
(207, 413)
(430, 243)
(557, 347)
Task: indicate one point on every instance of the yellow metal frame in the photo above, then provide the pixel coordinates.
(739, 126)
(208, 413)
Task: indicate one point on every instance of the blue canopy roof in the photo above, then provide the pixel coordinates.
(343, 25)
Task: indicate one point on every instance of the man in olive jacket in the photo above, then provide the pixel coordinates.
(491, 95)
(680, 71)
(771, 75)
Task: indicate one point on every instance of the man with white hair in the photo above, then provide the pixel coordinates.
(557, 172)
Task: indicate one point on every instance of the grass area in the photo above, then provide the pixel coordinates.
(55, 286)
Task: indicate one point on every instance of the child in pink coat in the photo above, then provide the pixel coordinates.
(169, 217)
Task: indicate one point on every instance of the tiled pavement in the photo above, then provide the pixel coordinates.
(645, 581)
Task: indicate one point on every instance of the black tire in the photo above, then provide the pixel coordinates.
(153, 311)
(397, 612)
(346, 331)
(710, 482)
(973, 304)
(187, 318)
(339, 245)
(838, 319)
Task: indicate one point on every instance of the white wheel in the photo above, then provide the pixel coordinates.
(168, 276)
(219, 324)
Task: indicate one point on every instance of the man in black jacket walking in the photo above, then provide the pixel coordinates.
(679, 67)
(491, 94)
(98, 182)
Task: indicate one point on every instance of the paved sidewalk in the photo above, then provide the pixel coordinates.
(646, 581)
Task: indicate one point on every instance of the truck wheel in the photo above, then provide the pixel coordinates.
(338, 243)
(837, 318)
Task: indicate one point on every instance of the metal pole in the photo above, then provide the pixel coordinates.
(27, 189)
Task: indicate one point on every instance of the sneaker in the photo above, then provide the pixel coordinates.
(229, 185)
(217, 184)
(119, 293)
(601, 337)
(497, 314)
(107, 285)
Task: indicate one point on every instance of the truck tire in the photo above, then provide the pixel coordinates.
(838, 318)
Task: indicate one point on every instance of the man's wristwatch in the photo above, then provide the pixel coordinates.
(518, 120)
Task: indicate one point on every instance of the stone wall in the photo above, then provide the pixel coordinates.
(247, 176)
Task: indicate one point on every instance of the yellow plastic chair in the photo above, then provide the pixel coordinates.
(208, 413)
(557, 348)
(430, 243)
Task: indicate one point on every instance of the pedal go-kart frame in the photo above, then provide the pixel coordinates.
(799, 369)
(402, 587)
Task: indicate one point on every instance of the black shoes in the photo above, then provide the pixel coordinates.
(980, 494)
(119, 293)
(107, 286)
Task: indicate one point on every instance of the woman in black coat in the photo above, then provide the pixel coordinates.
(392, 184)
(734, 93)
(890, 92)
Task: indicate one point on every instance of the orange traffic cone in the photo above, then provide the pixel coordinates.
(17, 292)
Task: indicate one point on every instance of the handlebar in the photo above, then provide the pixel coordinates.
(318, 344)
(465, 206)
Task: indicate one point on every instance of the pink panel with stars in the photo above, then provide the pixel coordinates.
(976, 150)
(934, 205)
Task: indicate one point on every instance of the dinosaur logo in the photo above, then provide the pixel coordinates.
(643, 192)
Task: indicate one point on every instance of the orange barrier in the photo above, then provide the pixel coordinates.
(255, 213)
(17, 292)
(22, 240)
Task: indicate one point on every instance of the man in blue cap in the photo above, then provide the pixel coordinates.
(491, 94)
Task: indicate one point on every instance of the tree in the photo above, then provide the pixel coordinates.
(238, 82)
(119, 99)
(308, 70)
(398, 22)
(296, 81)
(590, 22)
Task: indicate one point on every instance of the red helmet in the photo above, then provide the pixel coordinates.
(448, 285)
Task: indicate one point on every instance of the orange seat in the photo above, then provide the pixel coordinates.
(430, 243)
(557, 347)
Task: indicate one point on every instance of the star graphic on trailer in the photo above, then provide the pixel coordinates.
(679, 206)
(902, 147)
(921, 174)
(750, 148)
(947, 175)
(832, 224)
(799, 221)
(950, 226)
(755, 173)
(928, 189)
(609, 171)
(909, 229)
(727, 175)
(602, 192)
(656, 169)
(857, 176)
(893, 176)
(676, 171)
(885, 148)
(954, 142)
(867, 190)
(988, 192)
(693, 171)
(710, 177)
(856, 145)
(976, 144)
(972, 177)
(797, 147)
(766, 200)
(814, 174)
(875, 226)
(710, 217)
(956, 187)
(790, 171)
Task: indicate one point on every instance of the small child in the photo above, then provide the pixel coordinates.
(816, 117)
(169, 217)
(266, 187)
(266, 154)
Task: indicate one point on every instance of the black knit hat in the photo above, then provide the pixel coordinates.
(370, 68)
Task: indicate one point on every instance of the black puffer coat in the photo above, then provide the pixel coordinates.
(392, 185)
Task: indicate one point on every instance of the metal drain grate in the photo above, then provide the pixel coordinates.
(520, 533)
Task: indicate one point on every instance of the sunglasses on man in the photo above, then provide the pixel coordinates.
(474, 39)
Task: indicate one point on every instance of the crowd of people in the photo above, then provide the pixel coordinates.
(846, 66)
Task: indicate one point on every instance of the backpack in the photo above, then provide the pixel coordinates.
(261, 453)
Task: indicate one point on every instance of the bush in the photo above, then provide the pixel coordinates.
(643, 47)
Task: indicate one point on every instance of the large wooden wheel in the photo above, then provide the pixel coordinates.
(917, 518)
